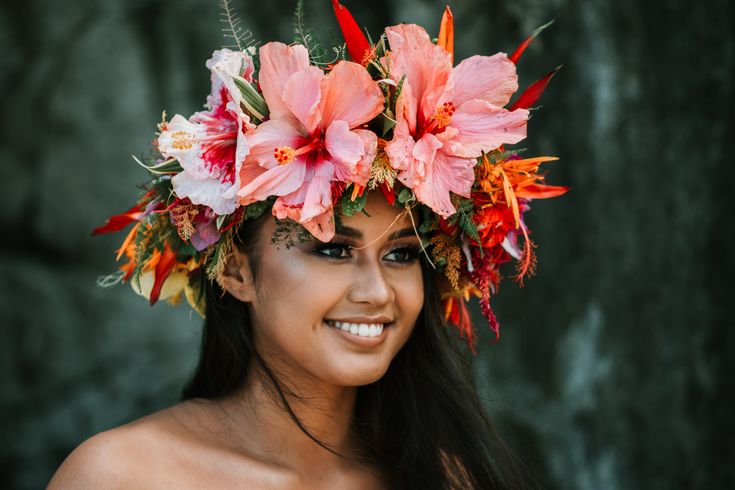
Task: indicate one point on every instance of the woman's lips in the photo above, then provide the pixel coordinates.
(365, 334)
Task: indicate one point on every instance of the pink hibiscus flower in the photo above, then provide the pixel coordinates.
(310, 140)
(211, 145)
(447, 116)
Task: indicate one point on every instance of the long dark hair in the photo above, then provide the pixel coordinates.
(422, 425)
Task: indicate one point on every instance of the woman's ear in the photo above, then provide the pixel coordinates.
(237, 278)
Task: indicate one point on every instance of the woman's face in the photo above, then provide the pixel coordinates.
(338, 312)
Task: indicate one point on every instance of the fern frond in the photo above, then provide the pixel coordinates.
(307, 37)
(233, 29)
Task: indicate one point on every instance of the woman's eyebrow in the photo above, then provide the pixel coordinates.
(348, 232)
(357, 234)
(405, 232)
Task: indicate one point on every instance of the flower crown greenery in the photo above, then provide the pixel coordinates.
(305, 133)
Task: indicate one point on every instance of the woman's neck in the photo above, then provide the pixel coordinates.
(259, 418)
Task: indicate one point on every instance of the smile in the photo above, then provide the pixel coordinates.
(359, 329)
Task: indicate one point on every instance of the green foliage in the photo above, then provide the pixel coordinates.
(464, 214)
(306, 36)
(253, 101)
(349, 207)
(405, 196)
(429, 219)
(256, 209)
(233, 28)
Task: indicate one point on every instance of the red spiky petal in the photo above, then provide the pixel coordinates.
(120, 221)
(388, 192)
(163, 268)
(533, 93)
(357, 44)
(519, 51)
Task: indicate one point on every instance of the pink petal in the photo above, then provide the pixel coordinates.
(483, 127)
(425, 148)
(208, 192)
(407, 107)
(249, 171)
(319, 194)
(289, 206)
(189, 156)
(321, 226)
(345, 147)
(349, 94)
(427, 66)
(301, 96)
(206, 234)
(400, 148)
(446, 173)
(277, 181)
(277, 63)
(370, 143)
(226, 64)
(490, 78)
(270, 135)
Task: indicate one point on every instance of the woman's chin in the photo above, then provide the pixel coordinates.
(360, 373)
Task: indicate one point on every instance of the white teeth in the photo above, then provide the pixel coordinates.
(361, 329)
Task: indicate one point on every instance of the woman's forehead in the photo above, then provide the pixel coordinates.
(378, 218)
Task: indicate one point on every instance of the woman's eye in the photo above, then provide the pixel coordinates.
(403, 255)
(335, 251)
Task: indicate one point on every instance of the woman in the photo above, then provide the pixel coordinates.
(283, 399)
(326, 361)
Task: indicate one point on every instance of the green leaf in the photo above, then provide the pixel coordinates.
(256, 209)
(388, 123)
(405, 195)
(253, 101)
(350, 207)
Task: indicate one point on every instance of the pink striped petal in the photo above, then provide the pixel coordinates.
(483, 127)
(206, 191)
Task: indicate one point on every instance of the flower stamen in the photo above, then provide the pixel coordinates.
(284, 154)
(182, 140)
(444, 115)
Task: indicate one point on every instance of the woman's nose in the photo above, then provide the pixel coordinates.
(371, 286)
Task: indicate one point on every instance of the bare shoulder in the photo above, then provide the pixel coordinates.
(123, 457)
(106, 460)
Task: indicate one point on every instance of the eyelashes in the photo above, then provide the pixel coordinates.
(341, 249)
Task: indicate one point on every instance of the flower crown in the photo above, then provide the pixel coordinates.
(289, 131)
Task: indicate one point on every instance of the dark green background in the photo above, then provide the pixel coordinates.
(613, 371)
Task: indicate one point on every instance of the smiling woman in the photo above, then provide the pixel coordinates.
(316, 308)
(328, 262)
(323, 365)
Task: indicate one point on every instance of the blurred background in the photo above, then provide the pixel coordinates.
(614, 367)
